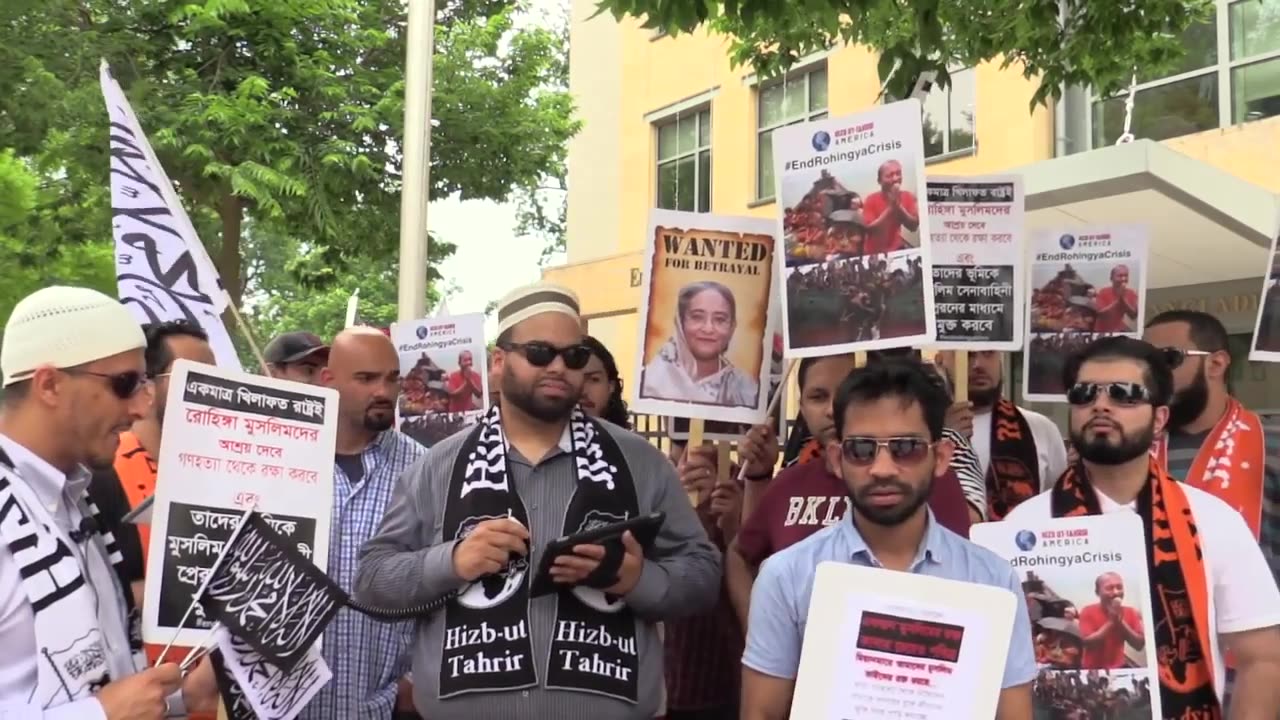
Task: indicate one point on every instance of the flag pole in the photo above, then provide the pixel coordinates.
(416, 173)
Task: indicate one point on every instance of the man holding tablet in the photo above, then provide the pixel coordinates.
(468, 526)
(889, 420)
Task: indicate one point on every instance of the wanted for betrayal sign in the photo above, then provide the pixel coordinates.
(232, 441)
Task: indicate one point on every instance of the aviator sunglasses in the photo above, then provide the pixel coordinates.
(542, 354)
(1120, 393)
(123, 385)
(904, 450)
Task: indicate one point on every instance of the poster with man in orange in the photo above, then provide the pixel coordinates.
(706, 331)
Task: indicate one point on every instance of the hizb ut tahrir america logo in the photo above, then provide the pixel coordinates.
(821, 140)
(1025, 540)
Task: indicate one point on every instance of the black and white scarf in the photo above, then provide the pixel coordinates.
(486, 645)
(72, 658)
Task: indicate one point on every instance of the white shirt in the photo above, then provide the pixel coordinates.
(1050, 449)
(18, 658)
(1242, 594)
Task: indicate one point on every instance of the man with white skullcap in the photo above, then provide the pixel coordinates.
(467, 527)
(74, 379)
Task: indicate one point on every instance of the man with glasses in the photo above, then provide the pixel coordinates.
(889, 449)
(1213, 442)
(468, 525)
(1212, 589)
(74, 379)
(296, 356)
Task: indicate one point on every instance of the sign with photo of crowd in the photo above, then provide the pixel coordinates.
(233, 441)
(856, 267)
(706, 332)
(979, 274)
(444, 378)
(1085, 578)
(1086, 283)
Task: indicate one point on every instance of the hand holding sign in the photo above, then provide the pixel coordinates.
(758, 451)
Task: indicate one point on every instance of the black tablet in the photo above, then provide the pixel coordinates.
(643, 528)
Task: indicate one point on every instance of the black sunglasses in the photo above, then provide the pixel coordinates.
(1176, 356)
(123, 385)
(1120, 393)
(905, 450)
(542, 354)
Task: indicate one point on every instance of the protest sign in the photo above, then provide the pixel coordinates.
(272, 692)
(1083, 576)
(881, 644)
(857, 269)
(979, 275)
(233, 441)
(267, 592)
(441, 389)
(1085, 284)
(706, 331)
(1266, 330)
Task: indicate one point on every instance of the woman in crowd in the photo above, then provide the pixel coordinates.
(602, 386)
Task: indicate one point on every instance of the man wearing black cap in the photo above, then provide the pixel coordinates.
(297, 356)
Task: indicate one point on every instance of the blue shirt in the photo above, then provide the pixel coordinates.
(780, 596)
(368, 657)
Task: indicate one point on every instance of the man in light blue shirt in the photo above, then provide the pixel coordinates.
(889, 420)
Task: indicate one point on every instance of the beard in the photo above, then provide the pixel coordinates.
(379, 422)
(1102, 452)
(548, 410)
(1189, 403)
(897, 514)
(986, 398)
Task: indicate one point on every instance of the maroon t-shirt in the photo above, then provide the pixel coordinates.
(805, 498)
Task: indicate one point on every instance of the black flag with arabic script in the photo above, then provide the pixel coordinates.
(269, 595)
(233, 699)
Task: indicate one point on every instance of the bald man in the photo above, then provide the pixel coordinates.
(1108, 625)
(369, 659)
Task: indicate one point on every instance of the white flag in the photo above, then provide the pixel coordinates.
(273, 693)
(353, 312)
(162, 269)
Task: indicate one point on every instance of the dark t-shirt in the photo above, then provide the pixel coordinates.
(805, 498)
(352, 466)
(107, 493)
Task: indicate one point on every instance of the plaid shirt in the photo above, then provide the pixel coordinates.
(367, 657)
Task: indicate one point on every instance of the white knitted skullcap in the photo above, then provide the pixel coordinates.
(525, 302)
(64, 327)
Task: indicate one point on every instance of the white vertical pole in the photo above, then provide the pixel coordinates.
(416, 172)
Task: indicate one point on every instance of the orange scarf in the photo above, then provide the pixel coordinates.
(1230, 464)
(1179, 586)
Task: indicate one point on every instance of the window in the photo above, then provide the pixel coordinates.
(684, 162)
(1254, 28)
(797, 98)
(1214, 85)
(948, 115)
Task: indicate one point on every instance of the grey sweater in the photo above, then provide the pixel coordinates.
(407, 563)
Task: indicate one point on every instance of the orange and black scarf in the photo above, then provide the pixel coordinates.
(1179, 587)
(1013, 475)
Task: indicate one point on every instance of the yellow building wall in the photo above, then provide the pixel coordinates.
(613, 163)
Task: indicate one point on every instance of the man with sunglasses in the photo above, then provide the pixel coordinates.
(890, 447)
(1213, 442)
(1212, 590)
(468, 525)
(74, 379)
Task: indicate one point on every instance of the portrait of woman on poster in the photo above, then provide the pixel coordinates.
(692, 365)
